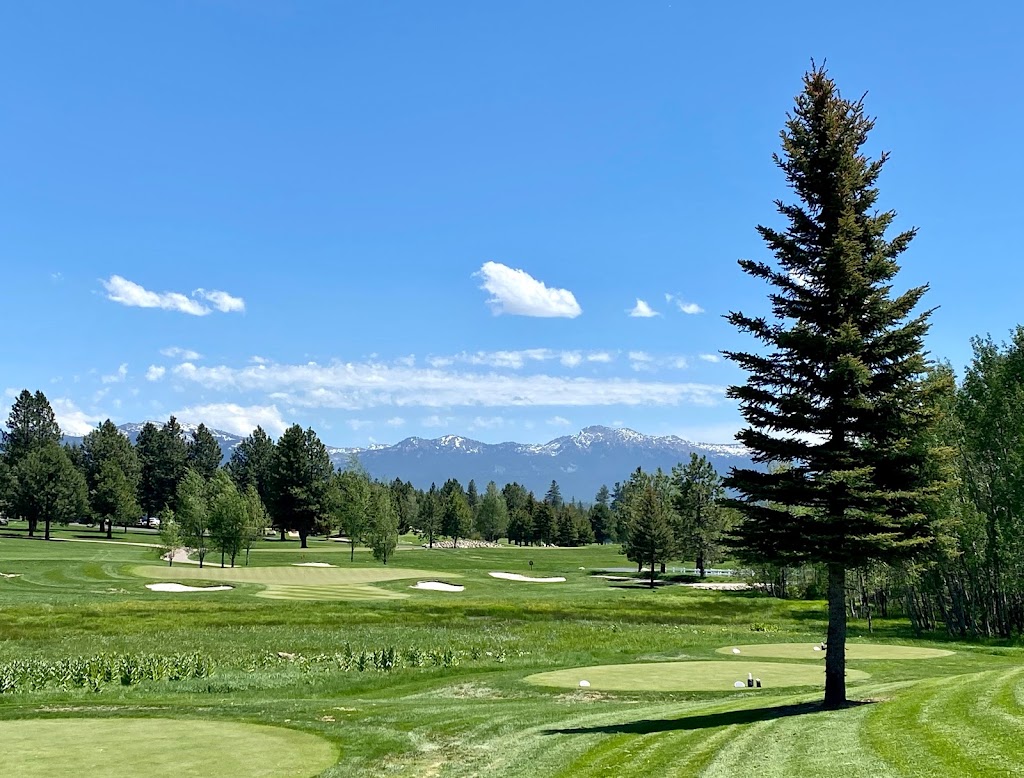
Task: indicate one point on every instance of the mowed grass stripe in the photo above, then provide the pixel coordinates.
(285, 592)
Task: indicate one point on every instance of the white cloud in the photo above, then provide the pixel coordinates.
(570, 358)
(437, 421)
(407, 361)
(487, 423)
(231, 417)
(118, 377)
(358, 424)
(682, 305)
(155, 372)
(516, 292)
(73, 420)
(642, 310)
(187, 354)
(679, 363)
(395, 421)
(514, 359)
(357, 386)
(711, 358)
(559, 421)
(255, 359)
(222, 301)
(600, 356)
(121, 290)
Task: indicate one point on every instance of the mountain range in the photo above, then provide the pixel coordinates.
(580, 463)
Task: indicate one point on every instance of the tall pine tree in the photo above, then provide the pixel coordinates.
(836, 390)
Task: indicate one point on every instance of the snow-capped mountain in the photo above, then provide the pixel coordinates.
(580, 463)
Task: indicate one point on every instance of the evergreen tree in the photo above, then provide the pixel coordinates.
(554, 496)
(700, 517)
(383, 523)
(520, 521)
(492, 517)
(602, 522)
(251, 464)
(544, 525)
(203, 452)
(106, 447)
(303, 476)
(429, 515)
(163, 460)
(472, 498)
(31, 426)
(49, 488)
(836, 390)
(649, 536)
(457, 518)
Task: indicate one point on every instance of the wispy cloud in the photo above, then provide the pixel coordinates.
(176, 352)
(358, 424)
(239, 419)
(517, 293)
(711, 358)
(487, 423)
(73, 420)
(121, 290)
(559, 421)
(355, 386)
(683, 305)
(515, 359)
(395, 421)
(155, 372)
(642, 310)
(437, 421)
(118, 377)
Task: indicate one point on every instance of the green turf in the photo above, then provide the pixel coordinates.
(687, 676)
(159, 748)
(854, 651)
(462, 708)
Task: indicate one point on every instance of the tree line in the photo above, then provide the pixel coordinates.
(291, 485)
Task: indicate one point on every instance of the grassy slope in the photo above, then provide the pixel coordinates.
(958, 714)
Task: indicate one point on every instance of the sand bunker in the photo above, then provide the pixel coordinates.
(517, 577)
(720, 587)
(311, 564)
(177, 587)
(853, 651)
(438, 586)
(10, 575)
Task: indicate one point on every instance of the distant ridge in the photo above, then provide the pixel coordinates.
(580, 463)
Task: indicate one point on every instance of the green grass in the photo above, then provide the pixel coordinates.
(688, 676)
(291, 663)
(854, 651)
(159, 748)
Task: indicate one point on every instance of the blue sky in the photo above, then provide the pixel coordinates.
(404, 218)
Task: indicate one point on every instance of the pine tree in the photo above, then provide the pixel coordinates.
(251, 464)
(163, 460)
(472, 497)
(649, 538)
(303, 481)
(49, 488)
(105, 446)
(544, 524)
(554, 496)
(837, 391)
(456, 518)
(429, 515)
(700, 518)
(204, 453)
(492, 517)
(112, 498)
(601, 519)
(31, 425)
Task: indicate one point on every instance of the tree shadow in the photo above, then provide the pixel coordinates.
(705, 721)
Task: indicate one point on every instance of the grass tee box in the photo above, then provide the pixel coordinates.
(687, 676)
(298, 583)
(159, 748)
(853, 651)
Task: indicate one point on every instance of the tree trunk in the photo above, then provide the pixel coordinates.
(700, 565)
(302, 539)
(222, 558)
(31, 528)
(283, 538)
(835, 655)
(46, 529)
(352, 549)
(110, 529)
(652, 570)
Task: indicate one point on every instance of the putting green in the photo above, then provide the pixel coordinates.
(288, 582)
(687, 676)
(159, 748)
(853, 651)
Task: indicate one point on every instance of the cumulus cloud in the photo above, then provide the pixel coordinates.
(517, 293)
(682, 305)
(487, 423)
(357, 386)
(436, 421)
(176, 352)
(230, 417)
(155, 372)
(711, 358)
(642, 310)
(121, 290)
(73, 420)
(559, 421)
(118, 377)
(603, 357)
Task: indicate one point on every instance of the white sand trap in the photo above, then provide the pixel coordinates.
(177, 587)
(720, 587)
(311, 564)
(438, 586)
(517, 577)
(10, 575)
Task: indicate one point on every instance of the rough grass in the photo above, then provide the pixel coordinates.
(688, 676)
(159, 748)
(854, 651)
(955, 714)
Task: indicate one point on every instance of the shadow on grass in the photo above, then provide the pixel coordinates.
(706, 721)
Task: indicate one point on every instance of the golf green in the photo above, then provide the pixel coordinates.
(687, 676)
(159, 748)
(853, 651)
